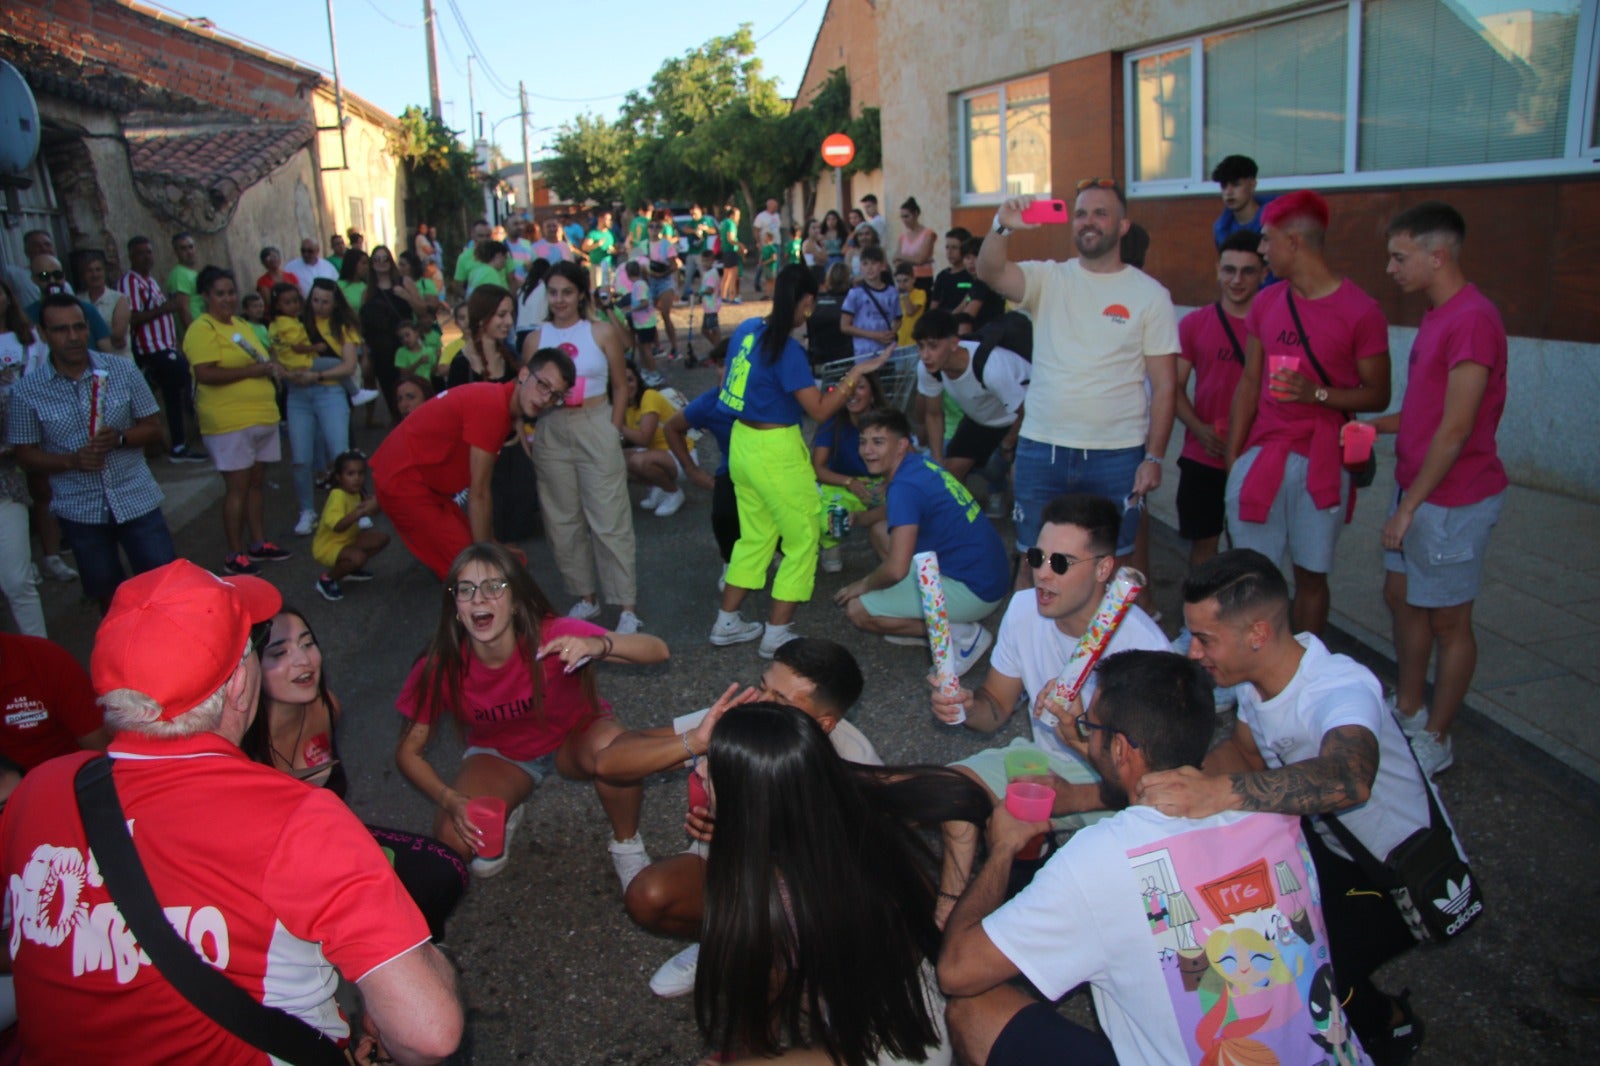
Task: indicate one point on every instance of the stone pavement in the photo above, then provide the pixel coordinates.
(1537, 614)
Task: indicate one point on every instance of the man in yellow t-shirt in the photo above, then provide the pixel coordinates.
(237, 406)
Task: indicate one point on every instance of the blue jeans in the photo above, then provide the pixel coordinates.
(145, 540)
(1045, 471)
(317, 414)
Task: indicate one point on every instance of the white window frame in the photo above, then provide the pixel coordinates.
(963, 197)
(1582, 149)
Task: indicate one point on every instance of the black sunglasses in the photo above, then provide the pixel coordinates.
(1084, 727)
(1059, 561)
(50, 275)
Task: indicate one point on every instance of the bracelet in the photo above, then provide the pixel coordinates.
(1156, 459)
(685, 738)
(951, 896)
(607, 653)
(846, 384)
(1000, 230)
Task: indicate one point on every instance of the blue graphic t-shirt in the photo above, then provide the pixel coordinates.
(756, 390)
(703, 412)
(949, 521)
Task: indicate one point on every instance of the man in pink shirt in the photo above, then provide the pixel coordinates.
(1211, 344)
(1316, 352)
(1448, 470)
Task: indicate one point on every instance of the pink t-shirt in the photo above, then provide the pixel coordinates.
(1217, 362)
(1466, 328)
(498, 707)
(1345, 326)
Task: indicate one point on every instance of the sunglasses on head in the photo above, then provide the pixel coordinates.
(1096, 183)
(1060, 562)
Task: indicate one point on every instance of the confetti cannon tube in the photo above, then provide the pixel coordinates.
(97, 401)
(1124, 588)
(931, 586)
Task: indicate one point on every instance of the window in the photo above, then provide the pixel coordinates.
(1005, 140)
(1402, 90)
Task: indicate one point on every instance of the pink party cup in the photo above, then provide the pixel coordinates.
(1276, 363)
(1030, 802)
(488, 813)
(1357, 438)
(698, 797)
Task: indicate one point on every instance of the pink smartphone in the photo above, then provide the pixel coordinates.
(1045, 212)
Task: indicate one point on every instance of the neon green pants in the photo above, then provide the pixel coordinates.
(776, 492)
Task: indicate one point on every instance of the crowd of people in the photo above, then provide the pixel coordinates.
(1177, 769)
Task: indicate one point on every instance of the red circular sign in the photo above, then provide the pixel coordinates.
(838, 149)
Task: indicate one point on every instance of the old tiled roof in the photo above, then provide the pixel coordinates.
(196, 174)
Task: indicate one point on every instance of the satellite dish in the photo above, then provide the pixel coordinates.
(19, 123)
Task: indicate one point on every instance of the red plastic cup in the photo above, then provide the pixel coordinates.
(1028, 801)
(488, 813)
(698, 796)
(1357, 438)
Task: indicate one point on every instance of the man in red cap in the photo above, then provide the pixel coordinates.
(276, 885)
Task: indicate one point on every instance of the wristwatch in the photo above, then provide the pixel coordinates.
(122, 439)
(1156, 459)
(1321, 395)
(1002, 230)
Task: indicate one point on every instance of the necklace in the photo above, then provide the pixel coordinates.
(295, 747)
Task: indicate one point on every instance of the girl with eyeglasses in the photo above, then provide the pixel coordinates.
(518, 679)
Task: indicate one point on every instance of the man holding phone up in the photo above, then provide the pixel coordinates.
(1101, 329)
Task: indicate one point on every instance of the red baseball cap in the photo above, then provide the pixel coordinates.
(177, 632)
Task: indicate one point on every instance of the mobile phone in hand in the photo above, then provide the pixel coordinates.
(1045, 212)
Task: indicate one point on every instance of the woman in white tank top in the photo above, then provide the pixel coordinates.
(112, 305)
(583, 481)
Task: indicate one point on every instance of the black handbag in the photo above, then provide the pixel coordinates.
(1361, 476)
(1431, 884)
(274, 1031)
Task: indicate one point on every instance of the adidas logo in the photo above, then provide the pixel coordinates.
(1456, 895)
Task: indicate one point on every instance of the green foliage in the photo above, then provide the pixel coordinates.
(438, 171)
(691, 89)
(591, 160)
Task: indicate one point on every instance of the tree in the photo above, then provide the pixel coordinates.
(690, 90)
(438, 171)
(828, 111)
(591, 160)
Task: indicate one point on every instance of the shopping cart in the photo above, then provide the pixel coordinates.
(897, 379)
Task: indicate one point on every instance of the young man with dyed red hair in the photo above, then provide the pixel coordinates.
(1316, 352)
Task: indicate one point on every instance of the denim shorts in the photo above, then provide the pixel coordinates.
(1442, 554)
(538, 769)
(1045, 471)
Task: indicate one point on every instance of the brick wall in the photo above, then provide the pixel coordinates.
(163, 54)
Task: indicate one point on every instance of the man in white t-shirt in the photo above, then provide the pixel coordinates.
(311, 266)
(768, 224)
(1314, 731)
(818, 677)
(1201, 939)
(875, 219)
(990, 393)
(1072, 565)
(1102, 329)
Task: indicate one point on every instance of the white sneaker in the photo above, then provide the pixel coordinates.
(1433, 753)
(831, 561)
(490, 867)
(969, 646)
(905, 642)
(676, 976)
(671, 503)
(362, 397)
(585, 610)
(652, 499)
(54, 567)
(38, 578)
(628, 624)
(653, 378)
(307, 523)
(1412, 725)
(736, 631)
(772, 639)
(628, 857)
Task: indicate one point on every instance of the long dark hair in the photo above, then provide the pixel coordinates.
(16, 320)
(257, 739)
(794, 283)
(342, 319)
(536, 272)
(351, 263)
(579, 276)
(819, 894)
(392, 276)
(444, 662)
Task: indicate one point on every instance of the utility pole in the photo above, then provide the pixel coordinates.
(527, 167)
(338, 94)
(433, 61)
(472, 106)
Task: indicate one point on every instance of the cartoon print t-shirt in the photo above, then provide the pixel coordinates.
(1203, 939)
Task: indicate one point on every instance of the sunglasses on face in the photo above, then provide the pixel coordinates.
(1059, 561)
(50, 275)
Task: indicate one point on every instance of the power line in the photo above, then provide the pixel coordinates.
(774, 29)
(448, 52)
(495, 81)
(391, 19)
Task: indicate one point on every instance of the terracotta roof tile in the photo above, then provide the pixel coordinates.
(215, 156)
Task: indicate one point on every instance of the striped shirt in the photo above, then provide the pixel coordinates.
(144, 294)
(52, 412)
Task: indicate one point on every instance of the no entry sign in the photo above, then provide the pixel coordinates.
(838, 149)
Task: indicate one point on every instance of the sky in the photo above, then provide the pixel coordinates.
(383, 58)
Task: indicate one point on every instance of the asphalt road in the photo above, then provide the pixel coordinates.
(554, 972)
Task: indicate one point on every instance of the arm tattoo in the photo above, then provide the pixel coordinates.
(1340, 776)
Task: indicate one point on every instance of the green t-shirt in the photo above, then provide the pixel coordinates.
(486, 274)
(769, 255)
(426, 287)
(419, 362)
(638, 232)
(464, 262)
(604, 240)
(186, 280)
(697, 234)
(337, 261)
(792, 251)
(729, 230)
(354, 293)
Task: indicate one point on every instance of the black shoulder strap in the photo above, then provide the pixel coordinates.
(1305, 339)
(272, 1030)
(1233, 338)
